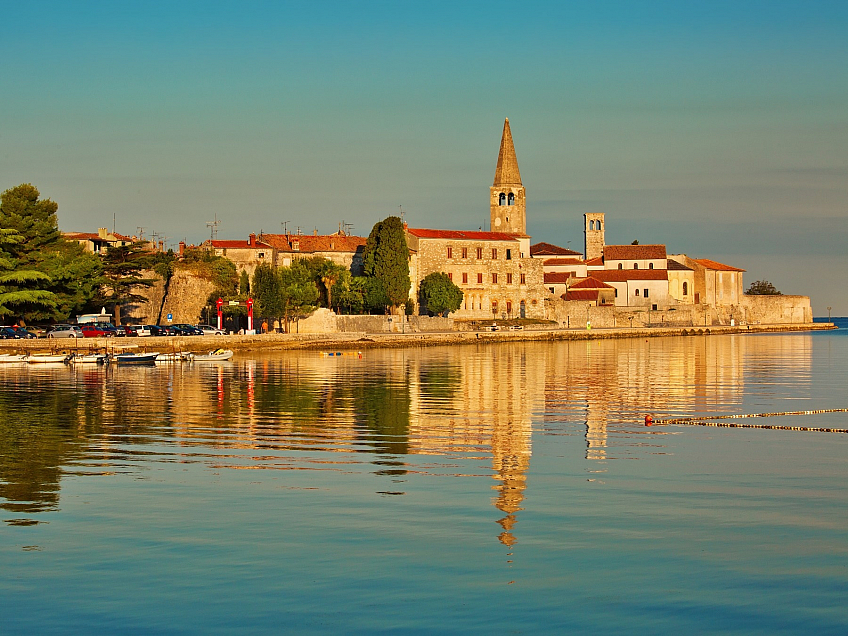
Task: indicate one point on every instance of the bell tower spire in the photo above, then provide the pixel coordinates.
(507, 202)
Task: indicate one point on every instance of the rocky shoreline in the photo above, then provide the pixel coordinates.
(362, 340)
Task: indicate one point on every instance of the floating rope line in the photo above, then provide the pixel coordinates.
(692, 421)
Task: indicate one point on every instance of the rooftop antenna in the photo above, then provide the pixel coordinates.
(285, 225)
(213, 225)
(113, 222)
(140, 232)
(347, 227)
(298, 230)
(401, 213)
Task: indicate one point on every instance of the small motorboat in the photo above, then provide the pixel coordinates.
(136, 358)
(218, 355)
(180, 356)
(8, 358)
(89, 358)
(48, 358)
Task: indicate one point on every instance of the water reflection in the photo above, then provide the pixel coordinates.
(382, 413)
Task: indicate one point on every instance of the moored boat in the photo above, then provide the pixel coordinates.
(218, 355)
(89, 358)
(46, 358)
(179, 356)
(13, 357)
(136, 358)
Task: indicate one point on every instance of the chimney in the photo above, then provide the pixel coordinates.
(252, 240)
(182, 248)
(102, 232)
(161, 246)
(315, 232)
(405, 226)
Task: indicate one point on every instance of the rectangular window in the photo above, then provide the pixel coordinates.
(494, 253)
(464, 252)
(494, 306)
(646, 293)
(509, 279)
(509, 307)
(450, 276)
(450, 252)
(509, 255)
(479, 252)
(522, 278)
(464, 278)
(494, 277)
(479, 279)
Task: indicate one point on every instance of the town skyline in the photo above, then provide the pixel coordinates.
(717, 130)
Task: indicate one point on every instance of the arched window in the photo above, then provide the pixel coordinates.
(591, 225)
(599, 225)
(501, 199)
(685, 288)
(637, 292)
(621, 266)
(650, 266)
(635, 265)
(511, 198)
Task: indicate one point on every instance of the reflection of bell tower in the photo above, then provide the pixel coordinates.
(593, 232)
(509, 212)
(511, 460)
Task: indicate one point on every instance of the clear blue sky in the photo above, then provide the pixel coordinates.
(718, 128)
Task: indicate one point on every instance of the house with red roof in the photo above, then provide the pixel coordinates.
(99, 242)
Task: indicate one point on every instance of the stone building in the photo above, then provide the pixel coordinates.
(715, 284)
(98, 243)
(495, 270)
(279, 250)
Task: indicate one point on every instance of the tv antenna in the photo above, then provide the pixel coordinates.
(213, 225)
(140, 232)
(285, 225)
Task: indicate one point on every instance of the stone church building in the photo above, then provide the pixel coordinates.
(494, 269)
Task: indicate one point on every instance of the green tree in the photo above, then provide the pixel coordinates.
(122, 275)
(267, 294)
(762, 288)
(298, 291)
(244, 283)
(17, 292)
(386, 260)
(33, 219)
(439, 294)
(349, 293)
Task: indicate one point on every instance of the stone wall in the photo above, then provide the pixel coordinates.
(187, 296)
(776, 309)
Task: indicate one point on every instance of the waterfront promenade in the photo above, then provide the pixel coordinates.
(368, 340)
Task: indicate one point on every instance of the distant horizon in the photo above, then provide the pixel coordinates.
(717, 129)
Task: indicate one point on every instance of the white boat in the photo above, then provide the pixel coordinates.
(89, 358)
(45, 358)
(180, 356)
(136, 358)
(218, 355)
(13, 357)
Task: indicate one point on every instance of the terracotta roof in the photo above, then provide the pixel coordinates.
(674, 265)
(555, 278)
(591, 283)
(708, 264)
(598, 261)
(94, 236)
(311, 243)
(243, 244)
(633, 252)
(581, 294)
(549, 249)
(621, 275)
(460, 234)
(506, 172)
(562, 261)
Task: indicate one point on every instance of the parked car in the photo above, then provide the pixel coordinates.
(23, 334)
(126, 330)
(209, 330)
(65, 331)
(95, 330)
(9, 333)
(156, 330)
(183, 330)
(37, 331)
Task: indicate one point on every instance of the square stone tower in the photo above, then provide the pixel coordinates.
(593, 232)
(507, 202)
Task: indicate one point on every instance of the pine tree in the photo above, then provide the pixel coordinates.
(386, 263)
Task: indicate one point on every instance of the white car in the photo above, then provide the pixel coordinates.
(209, 330)
(65, 331)
(141, 330)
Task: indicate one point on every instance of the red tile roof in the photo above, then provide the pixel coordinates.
(555, 278)
(581, 294)
(708, 264)
(674, 265)
(461, 234)
(591, 283)
(94, 236)
(621, 275)
(311, 243)
(598, 261)
(243, 244)
(633, 252)
(562, 261)
(549, 249)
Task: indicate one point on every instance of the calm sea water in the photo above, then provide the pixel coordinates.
(499, 489)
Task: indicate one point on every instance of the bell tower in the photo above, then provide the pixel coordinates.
(508, 207)
(593, 233)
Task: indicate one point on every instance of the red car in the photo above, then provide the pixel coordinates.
(94, 331)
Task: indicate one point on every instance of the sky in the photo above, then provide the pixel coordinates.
(717, 128)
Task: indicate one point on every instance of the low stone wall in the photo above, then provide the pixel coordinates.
(776, 309)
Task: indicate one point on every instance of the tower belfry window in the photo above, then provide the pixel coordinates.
(501, 199)
(511, 198)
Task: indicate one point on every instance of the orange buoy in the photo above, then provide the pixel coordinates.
(649, 420)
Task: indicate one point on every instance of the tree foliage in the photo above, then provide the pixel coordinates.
(286, 293)
(386, 264)
(762, 288)
(439, 294)
(123, 267)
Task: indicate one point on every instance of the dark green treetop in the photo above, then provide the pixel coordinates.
(386, 260)
(439, 294)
